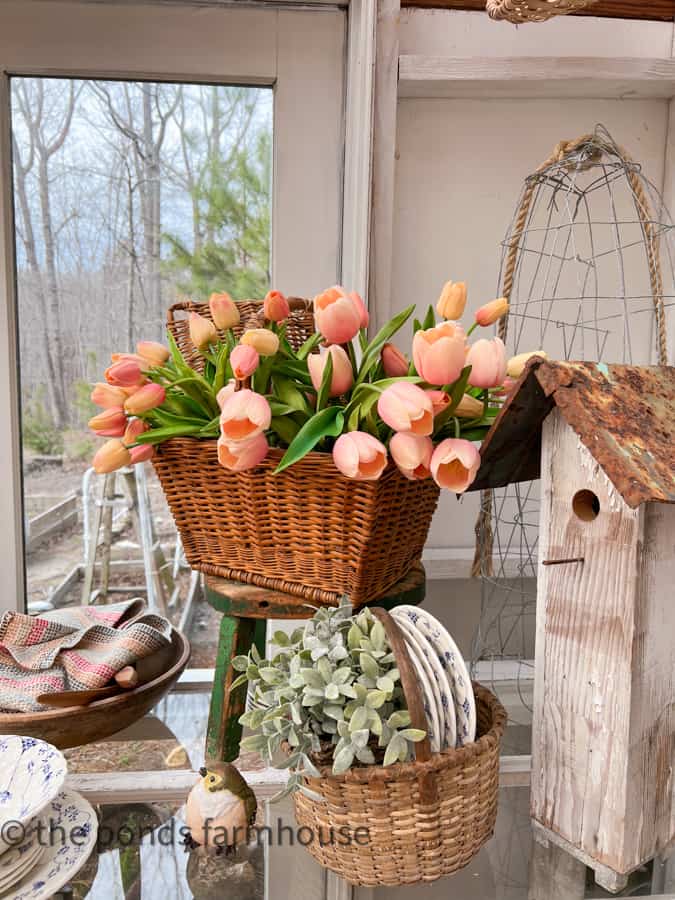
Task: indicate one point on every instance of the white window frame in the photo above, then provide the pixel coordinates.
(320, 189)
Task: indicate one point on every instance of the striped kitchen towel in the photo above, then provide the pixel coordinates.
(72, 649)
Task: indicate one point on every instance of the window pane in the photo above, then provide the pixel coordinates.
(129, 196)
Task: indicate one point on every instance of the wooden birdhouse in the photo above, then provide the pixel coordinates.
(602, 439)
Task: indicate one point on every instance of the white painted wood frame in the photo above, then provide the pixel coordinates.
(300, 53)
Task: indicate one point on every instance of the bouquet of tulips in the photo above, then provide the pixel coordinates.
(363, 400)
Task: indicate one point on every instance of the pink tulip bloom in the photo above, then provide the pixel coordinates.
(336, 315)
(125, 373)
(152, 352)
(224, 311)
(454, 464)
(106, 396)
(244, 415)
(491, 312)
(226, 392)
(439, 353)
(110, 423)
(487, 359)
(394, 363)
(202, 331)
(135, 428)
(357, 300)
(144, 399)
(244, 360)
(412, 454)
(240, 455)
(439, 401)
(360, 456)
(406, 407)
(276, 307)
(110, 457)
(141, 453)
(343, 375)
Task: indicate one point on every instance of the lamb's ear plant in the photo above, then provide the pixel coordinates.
(332, 685)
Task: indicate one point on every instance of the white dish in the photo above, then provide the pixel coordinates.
(30, 854)
(429, 690)
(74, 829)
(442, 690)
(32, 772)
(455, 668)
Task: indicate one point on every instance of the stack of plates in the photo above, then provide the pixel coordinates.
(444, 678)
(46, 832)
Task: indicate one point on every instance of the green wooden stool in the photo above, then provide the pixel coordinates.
(246, 609)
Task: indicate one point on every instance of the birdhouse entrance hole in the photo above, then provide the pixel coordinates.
(586, 505)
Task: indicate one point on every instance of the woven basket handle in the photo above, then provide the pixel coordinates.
(409, 680)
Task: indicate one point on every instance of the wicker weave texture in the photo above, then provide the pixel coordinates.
(299, 325)
(410, 841)
(308, 531)
(520, 11)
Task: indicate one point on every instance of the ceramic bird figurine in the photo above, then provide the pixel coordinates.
(219, 809)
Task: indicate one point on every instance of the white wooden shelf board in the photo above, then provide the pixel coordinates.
(535, 77)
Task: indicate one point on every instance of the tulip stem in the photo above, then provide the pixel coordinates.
(472, 329)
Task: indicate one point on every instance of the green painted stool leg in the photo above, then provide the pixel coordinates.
(237, 636)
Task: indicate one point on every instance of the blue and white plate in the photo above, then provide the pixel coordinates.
(32, 772)
(19, 859)
(432, 708)
(68, 839)
(440, 683)
(455, 668)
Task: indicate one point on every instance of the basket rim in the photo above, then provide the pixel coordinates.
(409, 771)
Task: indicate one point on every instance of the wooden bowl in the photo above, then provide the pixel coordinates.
(77, 725)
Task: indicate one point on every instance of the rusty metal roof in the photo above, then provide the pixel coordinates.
(625, 416)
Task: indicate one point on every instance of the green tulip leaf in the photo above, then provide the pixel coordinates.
(326, 379)
(371, 354)
(329, 422)
(310, 344)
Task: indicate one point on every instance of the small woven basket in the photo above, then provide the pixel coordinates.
(308, 531)
(424, 819)
(299, 325)
(520, 11)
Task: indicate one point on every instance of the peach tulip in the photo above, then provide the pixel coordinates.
(357, 300)
(454, 464)
(244, 360)
(202, 331)
(226, 392)
(107, 396)
(412, 454)
(439, 353)
(109, 423)
(406, 407)
(343, 376)
(110, 457)
(146, 398)
(394, 363)
(263, 340)
(135, 428)
(360, 456)
(224, 311)
(244, 415)
(452, 302)
(276, 306)
(152, 352)
(469, 408)
(337, 316)
(141, 453)
(125, 373)
(439, 401)
(240, 455)
(487, 359)
(516, 365)
(492, 312)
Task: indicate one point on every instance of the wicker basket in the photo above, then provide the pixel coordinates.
(424, 819)
(299, 325)
(520, 11)
(308, 531)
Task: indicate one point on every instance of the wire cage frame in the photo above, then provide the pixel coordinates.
(588, 267)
